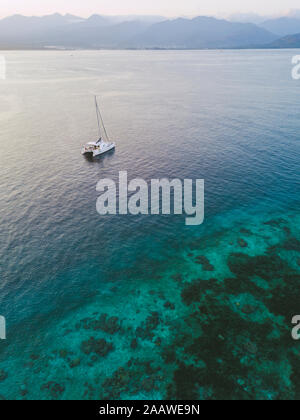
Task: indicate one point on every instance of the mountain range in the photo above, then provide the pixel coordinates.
(290, 41)
(146, 32)
(282, 26)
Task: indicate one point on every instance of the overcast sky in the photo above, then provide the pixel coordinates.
(161, 7)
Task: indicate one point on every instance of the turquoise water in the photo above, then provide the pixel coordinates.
(145, 307)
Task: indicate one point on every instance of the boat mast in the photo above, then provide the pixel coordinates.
(100, 121)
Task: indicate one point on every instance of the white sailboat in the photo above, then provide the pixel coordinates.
(102, 145)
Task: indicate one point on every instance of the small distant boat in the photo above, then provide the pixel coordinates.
(102, 145)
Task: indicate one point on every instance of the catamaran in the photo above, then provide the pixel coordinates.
(102, 145)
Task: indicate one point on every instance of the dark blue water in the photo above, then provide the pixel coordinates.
(231, 118)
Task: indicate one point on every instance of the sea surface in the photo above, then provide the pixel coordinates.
(144, 307)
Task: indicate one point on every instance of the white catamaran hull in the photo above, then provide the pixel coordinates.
(105, 148)
(97, 150)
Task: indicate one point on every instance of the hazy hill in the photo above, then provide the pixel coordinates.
(108, 32)
(290, 41)
(247, 18)
(25, 30)
(103, 35)
(282, 26)
(202, 32)
(70, 31)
